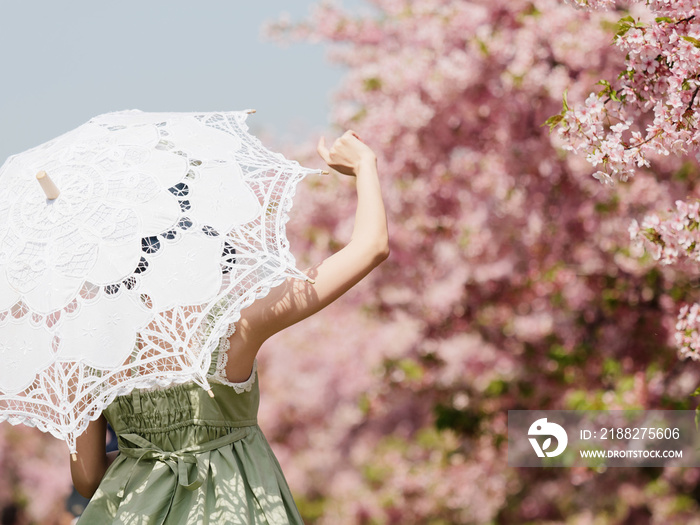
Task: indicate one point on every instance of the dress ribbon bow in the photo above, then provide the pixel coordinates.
(178, 460)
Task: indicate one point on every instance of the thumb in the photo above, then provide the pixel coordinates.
(323, 150)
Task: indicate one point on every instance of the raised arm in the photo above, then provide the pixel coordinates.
(295, 300)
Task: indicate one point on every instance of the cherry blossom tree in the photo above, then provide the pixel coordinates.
(35, 477)
(511, 283)
(649, 111)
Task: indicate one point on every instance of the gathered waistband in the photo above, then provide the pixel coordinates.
(182, 406)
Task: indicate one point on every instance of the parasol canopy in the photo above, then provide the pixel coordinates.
(127, 248)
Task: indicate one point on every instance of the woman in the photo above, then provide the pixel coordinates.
(187, 458)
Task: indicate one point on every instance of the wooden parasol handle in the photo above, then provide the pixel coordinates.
(47, 185)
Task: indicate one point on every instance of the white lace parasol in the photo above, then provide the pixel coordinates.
(164, 227)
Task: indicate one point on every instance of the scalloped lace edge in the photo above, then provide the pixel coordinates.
(219, 376)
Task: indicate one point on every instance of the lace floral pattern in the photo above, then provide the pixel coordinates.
(219, 374)
(128, 284)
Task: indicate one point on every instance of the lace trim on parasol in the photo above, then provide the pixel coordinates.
(219, 375)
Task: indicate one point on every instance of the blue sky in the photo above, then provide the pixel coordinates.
(64, 62)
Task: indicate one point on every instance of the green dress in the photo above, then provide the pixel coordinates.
(187, 458)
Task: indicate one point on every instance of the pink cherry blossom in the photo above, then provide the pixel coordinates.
(512, 278)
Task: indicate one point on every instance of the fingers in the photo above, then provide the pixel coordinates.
(348, 135)
(347, 144)
(328, 154)
(351, 136)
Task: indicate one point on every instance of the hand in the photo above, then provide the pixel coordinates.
(346, 154)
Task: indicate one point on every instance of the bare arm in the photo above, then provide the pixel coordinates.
(295, 300)
(92, 460)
